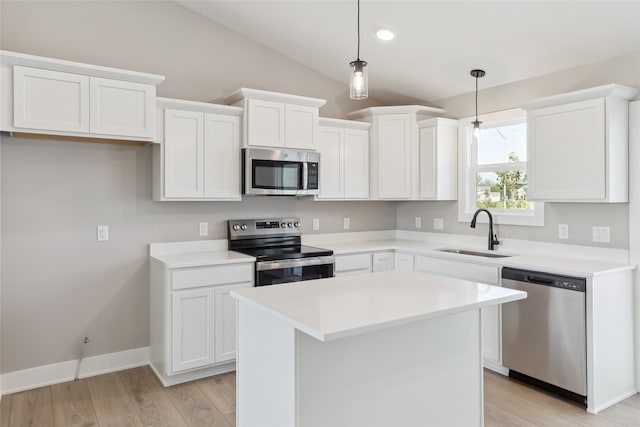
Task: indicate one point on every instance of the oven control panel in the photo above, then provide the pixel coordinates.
(242, 228)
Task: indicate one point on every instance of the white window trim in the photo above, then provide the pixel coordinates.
(466, 197)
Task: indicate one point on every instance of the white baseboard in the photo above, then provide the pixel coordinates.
(40, 376)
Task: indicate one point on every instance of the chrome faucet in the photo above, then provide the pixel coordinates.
(493, 239)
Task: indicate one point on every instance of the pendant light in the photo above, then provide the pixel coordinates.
(358, 85)
(476, 124)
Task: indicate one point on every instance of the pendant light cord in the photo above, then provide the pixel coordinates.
(476, 96)
(358, 56)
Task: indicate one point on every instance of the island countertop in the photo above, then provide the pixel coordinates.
(329, 309)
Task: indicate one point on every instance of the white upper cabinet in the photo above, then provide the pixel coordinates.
(394, 152)
(199, 154)
(438, 159)
(68, 99)
(122, 108)
(344, 164)
(578, 145)
(279, 120)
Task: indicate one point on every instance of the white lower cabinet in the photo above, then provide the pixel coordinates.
(383, 261)
(193, 319)
(352, 264)
(403, 262)
(490, 275)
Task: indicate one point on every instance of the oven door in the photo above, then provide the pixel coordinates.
(293, 270)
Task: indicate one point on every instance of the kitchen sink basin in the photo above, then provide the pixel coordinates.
(474, 253)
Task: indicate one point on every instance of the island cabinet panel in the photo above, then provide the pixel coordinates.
(198, 157)
(578, 145)
(491, 316)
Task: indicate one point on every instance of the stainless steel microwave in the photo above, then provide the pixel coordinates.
(280, 172)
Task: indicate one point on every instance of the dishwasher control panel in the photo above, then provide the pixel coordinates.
(578, 284)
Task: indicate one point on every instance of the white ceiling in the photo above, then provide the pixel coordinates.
(437, 42)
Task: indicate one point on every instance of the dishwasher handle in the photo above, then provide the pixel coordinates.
(538, 280)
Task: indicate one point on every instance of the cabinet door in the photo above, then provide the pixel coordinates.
(428, 163)
(331, 163)
(50, 100)
(301, 126)
(225, 322)
(491, 332)
(394, 157)
(122, 108)
(567, 152)
(383, 261)
(192, 329)
(221, 157)
(404, 262)
(183, 149)
(265, 123)
(356, 164)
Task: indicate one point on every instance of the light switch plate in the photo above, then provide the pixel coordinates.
(316, 224)
(438, 223)
(418, 222)
(103, 233)
(601, 234)
(347, 223)
(204, 229)
(563, 231)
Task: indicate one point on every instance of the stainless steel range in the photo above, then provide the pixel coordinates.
(280, 255)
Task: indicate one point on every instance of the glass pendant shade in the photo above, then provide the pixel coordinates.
(476, 128)
(359, 84)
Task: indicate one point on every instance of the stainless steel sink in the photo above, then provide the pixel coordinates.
(474, 253)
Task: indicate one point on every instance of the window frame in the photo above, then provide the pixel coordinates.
(467, 190)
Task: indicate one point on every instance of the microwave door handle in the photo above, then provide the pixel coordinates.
(305, 176)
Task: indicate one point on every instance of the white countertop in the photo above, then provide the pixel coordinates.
(547, 263)
(202, 259)
(329, 309)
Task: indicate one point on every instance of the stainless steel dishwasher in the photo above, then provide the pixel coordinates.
(544, 336)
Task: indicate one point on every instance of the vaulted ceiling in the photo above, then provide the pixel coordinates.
(437, 42)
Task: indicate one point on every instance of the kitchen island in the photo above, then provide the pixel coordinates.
(390, 348)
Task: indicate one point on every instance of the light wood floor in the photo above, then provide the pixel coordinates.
(136, 398)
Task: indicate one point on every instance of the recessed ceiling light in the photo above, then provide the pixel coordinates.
(385, 34)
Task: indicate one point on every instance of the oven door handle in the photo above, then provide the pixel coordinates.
(290, 263)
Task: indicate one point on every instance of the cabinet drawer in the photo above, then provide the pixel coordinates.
(353, 262)
(461, 270)
(213, 275)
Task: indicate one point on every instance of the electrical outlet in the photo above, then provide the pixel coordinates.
(204, 229)
(601, 234)
(418, 222)
(563, 231)
(103, 233)
(346, 223)
(316, 224)
(438, 223)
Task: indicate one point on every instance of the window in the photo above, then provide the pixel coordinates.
(494, 170)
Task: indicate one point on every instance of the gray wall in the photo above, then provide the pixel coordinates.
(58, 283)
